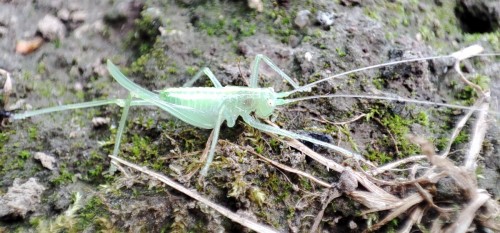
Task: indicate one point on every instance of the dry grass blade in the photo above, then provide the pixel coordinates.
(290, 169)
(478, 134)
(395, 164)
(332, 194)
(399, 209)
(415, 218)
(376, 199)
(243, 220)
(465, 218)
(465, 181)
(294, 143)
(459, 127)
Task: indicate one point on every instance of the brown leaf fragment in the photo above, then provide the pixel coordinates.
(26, 47)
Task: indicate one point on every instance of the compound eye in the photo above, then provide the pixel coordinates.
(270, 102)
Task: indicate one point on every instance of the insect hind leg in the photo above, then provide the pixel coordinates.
(208, 73)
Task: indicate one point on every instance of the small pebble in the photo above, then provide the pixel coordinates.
(46, 160)
(78, 86)
(21, 199)
(353, 225)
(325, 18)
(3, 30)
(63, 14)
(256, 4)
(78, 16)
(308, 56)
(52, 28)
(302, 18)
(100, 121)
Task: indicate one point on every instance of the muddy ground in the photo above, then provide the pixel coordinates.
(162, 44)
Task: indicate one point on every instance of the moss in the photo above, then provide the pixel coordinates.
(397, 128)
(94, 212)
(41, 68)
(462, 137)
(256, 195)
(341, 52)
(468, 95)
(32, 133)
(281, 188)
(493, 38)
(94, 167)
(372, 13)
(345, 130)
(232, 23)
(24, 155)
(147, 65)
(142, 38)
(379, 83)
(423, 118)
(65, 222)
(64, 176)
(305, 184)
(192, 70)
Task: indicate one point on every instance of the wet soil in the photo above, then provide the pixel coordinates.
(162, 44)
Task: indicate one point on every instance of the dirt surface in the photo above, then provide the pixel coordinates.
(60, 58)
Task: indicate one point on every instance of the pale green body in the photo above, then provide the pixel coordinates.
(201, 106)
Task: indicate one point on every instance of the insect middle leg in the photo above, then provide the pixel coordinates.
(216, 129)
(208, 73)
(254, 76)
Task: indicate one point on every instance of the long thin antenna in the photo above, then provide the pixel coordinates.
(471, 51)
(389, 98)
(308, 86)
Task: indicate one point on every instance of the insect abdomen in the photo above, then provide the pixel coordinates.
(198, 106)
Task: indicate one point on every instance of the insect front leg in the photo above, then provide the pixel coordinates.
(270, 129)
(121, 125)
(208, 73)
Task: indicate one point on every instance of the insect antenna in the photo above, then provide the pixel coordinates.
(468, 52)
(388, 98)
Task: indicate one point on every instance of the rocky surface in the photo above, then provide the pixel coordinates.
(60, 58)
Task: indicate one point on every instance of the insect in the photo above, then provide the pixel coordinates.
(209, 107)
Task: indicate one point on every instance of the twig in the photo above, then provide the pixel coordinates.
(241, 219)
(463, 54)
